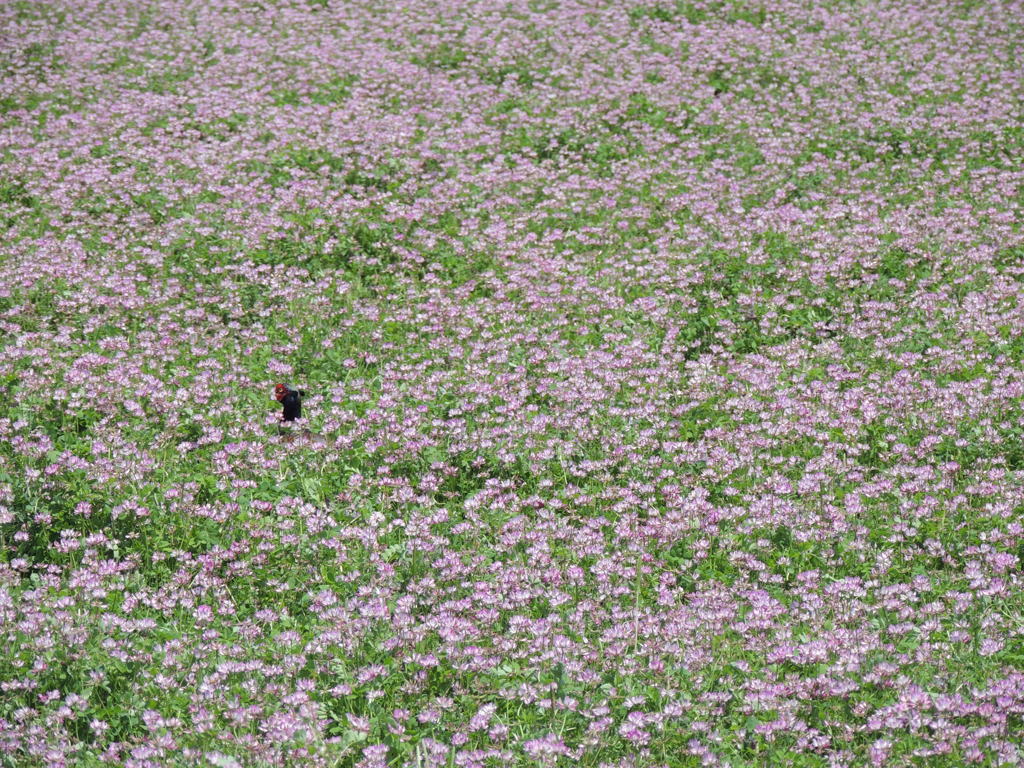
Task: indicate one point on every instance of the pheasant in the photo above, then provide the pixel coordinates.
(291, 399)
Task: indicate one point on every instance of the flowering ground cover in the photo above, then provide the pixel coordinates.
(665, 358)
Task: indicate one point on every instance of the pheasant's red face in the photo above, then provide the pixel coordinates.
(280, 391)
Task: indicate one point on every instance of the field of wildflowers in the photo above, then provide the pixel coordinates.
(664, 358)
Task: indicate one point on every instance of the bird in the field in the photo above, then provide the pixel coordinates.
(291, 399)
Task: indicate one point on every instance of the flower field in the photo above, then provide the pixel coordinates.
(663, 366)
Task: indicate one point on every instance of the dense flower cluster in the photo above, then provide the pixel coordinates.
(665, 358)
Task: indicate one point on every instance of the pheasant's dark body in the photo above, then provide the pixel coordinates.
(292, 403)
